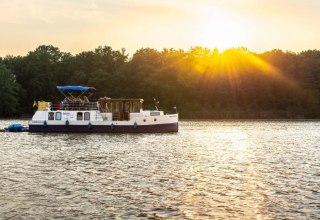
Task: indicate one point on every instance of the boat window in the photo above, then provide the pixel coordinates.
(87, 116)
(111, 109)
(116, 107)
(108, 107)
(131, 106)
(127, 106)
(51, 116)
(136, 107)
(79, 115)
(58, 115)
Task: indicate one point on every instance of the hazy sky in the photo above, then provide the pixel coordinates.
(81, 25)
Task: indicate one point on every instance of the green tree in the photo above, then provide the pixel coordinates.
(201, 82)
(9, 90)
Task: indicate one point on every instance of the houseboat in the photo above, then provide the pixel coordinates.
(77, 114)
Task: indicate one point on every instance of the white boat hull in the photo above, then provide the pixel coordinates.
(138, 124)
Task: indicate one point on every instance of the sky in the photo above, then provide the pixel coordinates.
(82, 25)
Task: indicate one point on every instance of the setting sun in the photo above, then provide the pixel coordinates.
(221, 30)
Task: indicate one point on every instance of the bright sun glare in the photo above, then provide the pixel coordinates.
(222, 30)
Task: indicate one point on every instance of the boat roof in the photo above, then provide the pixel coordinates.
(75, 88)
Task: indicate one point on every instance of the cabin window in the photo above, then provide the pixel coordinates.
(51, 116)
(131, 106)
(108, 107)
(79, 116)
(116, 107)
(87, 116)
(127, 106)
(58, 115)
(136, 106)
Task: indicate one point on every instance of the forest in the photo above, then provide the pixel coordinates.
(202, 83)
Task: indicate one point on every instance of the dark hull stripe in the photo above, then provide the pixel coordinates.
(106, 128)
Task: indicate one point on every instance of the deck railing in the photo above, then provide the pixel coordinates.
(73, 106)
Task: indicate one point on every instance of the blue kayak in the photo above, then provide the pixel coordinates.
(16, 128)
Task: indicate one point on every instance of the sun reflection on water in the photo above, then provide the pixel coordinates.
(226, 168)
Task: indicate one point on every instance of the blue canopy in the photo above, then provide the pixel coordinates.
(75, 88)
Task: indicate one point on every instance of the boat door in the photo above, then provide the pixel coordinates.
(116, 114)
(124, 110)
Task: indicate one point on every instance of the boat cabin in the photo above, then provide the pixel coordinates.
(120, 108)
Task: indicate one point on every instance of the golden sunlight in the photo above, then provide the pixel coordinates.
(222, 30)
(236, 64)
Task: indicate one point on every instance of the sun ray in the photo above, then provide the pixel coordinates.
(233, 67)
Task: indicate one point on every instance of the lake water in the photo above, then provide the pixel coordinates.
(208, 170)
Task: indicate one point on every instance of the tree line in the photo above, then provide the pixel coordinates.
(200, 82)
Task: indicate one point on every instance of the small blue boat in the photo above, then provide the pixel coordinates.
(16, 128)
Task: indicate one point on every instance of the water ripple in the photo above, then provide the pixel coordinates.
(210, 169)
